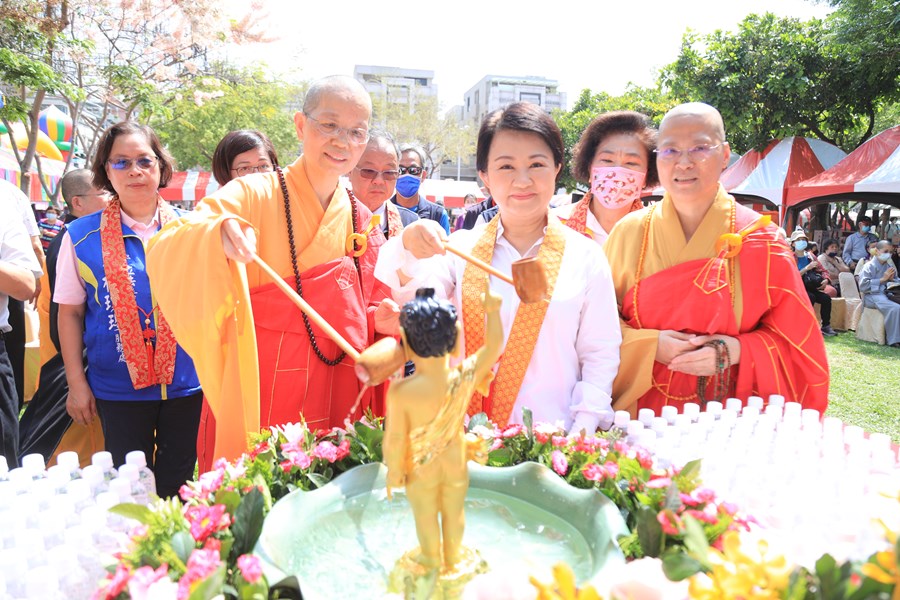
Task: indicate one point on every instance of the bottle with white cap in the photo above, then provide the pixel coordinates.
(148, 479)
(104, 460)
(121, 487)
(34, 465)
(93, 475)
(138, 491)
(4, 469)
(69, 462)
(41, 582)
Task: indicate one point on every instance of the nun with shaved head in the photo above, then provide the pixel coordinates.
(261, 361)
(711, 303)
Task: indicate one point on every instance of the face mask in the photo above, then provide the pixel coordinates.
(865, 229)
(408, 185)
(884, 257)
(800, 245)
(832, 254)
(616, 187)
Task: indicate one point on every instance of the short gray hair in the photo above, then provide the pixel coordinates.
(380, 135)
(420, 152)
(884, 244)
(332, 83)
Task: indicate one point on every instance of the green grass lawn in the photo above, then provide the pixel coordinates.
(865, 384)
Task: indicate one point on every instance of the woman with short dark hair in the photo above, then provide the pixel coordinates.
(615, 157)
(561, 354)
(139, 381)
(243, 152)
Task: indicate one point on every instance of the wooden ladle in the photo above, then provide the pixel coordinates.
(374, 365)
(528, 275)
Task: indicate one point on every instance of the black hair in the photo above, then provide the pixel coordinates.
(519, 116)
(104, 149)
(829, 242)
(238, 142)
(429, 324)
(614, 123)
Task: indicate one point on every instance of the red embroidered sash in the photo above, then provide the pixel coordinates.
(147, 365)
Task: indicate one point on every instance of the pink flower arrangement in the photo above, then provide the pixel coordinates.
(144, 578)
(115, 585)
(207, 520)
(250, 567)
(201, 564)
(560, 462)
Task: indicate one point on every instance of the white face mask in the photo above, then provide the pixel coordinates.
(884, 257)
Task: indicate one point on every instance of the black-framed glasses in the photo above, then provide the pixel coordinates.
(373, 173)
(144, 163)
(241, 171)
(357, 135)
(412, 170)
(696, 154)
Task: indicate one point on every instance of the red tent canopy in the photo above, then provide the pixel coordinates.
(189, 186)
(873, 167)
(782, 164)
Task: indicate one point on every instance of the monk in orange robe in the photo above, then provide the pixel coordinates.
(698, 267)
(260, 362)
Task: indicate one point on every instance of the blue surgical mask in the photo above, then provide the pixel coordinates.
(408, 185)
(800, 245)
(884, 257)
(865, 228)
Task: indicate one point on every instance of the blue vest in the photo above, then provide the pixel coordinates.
(107, 372)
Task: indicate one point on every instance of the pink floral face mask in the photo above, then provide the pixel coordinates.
(616, 187)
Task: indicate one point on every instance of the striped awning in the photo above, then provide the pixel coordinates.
(189, 186)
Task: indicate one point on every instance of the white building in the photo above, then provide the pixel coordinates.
(496, 91)
(396, 85)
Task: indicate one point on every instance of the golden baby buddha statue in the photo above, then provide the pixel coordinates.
(425, 447)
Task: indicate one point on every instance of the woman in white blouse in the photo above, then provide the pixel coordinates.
(561, 355)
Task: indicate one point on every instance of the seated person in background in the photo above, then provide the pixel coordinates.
(815, 288)
(871, 251)
(831, 261)
(373, 181)
(698, 311)
(856, 243)
(878, 276)
(812, 251)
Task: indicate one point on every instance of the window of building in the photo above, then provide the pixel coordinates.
(530, 97)
(421, 81)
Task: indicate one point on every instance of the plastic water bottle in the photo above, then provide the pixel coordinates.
(104, 460)
(138, 491)
(93, 475)
(34, 465)
(4, 469)
(70, 463)
(121, 488)
(148, 479)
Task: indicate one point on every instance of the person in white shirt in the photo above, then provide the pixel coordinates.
(561, 355)
(19, 272)
(615, 156)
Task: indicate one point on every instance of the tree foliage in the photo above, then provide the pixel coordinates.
(214, 105)
(649, 101)
(421, 123)
(775, 77)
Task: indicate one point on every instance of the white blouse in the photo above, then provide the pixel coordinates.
(564, 212)
(569, 379)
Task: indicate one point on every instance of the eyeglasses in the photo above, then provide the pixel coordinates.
(357, 135)
(144, 163)
(241, 171)
(696, 154)
(412, 170)
(372, 174)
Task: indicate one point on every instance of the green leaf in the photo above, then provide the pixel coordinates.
(183, 544)
(230, 498)
(138, 512)
(210, 587)
(673, 498)
(248, 522)
(318, 479)
(691, 470)
(501, 457)
(528, 421)
(649, 531)
(678, 566)
(481, 419)
(695, 539)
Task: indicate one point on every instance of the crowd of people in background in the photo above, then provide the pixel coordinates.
(165, 329)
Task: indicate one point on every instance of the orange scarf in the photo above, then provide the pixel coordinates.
(146, 366)
(578, 218)
(526, 325)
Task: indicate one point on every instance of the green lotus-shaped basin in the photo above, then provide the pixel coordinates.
(341, 541)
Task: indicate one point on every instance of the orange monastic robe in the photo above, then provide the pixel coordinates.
(248, 341)
(684, 286)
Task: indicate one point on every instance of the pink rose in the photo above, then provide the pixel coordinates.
(671, 523)
(559, 462)
(201, 564)
(251, 568)
(594, 472)
(343, 449)
(206, 520)
(326, 451)
(559, 441)
(512, 431)
(116, 584)
(143, 578)
(659, 483)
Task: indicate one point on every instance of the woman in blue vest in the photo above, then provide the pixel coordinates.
(139, 381)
